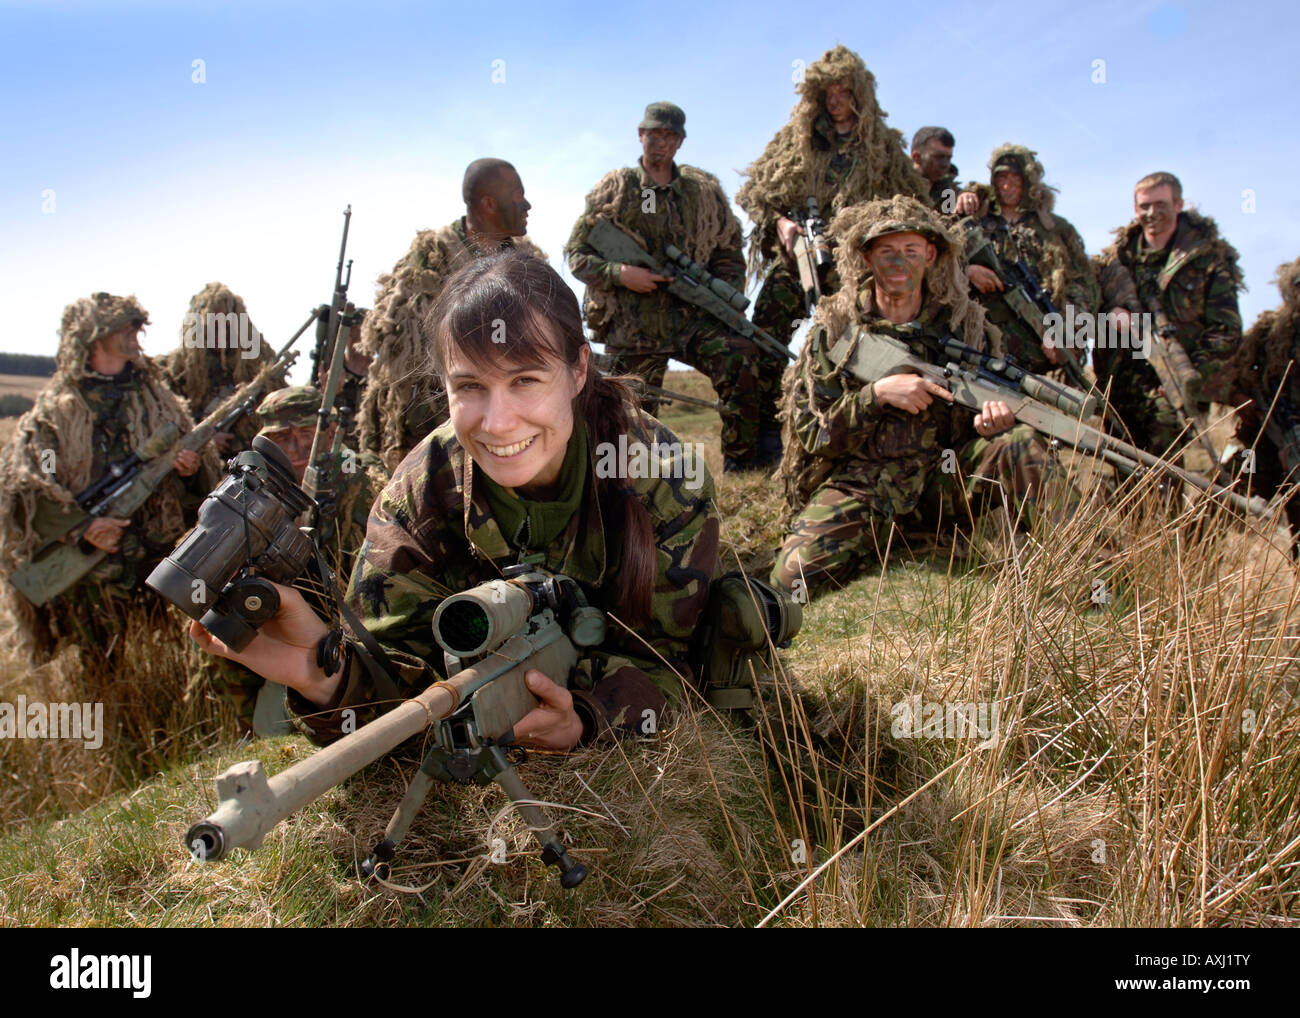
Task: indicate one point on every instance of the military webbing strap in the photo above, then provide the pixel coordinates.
(735, 698)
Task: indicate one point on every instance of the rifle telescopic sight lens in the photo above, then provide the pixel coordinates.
(463, 627)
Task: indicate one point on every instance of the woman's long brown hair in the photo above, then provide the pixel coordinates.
(497, 310)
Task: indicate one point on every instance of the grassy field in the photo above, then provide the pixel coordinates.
(22, 385)
(1138, 764)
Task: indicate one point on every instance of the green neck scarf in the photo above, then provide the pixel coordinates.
(529, 525)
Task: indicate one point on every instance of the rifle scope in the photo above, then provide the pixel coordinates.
(478, 621)
(702, 275)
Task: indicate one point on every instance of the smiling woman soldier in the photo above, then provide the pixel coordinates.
(510, 479)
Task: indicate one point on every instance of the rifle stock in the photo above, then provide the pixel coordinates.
(812, 254)
(1178, 378)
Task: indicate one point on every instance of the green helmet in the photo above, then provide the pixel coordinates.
(294, 407)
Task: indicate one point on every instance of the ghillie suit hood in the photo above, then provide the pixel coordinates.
(392, 335)
(945, 284)
(1271, 342)
(792, 167)
(57, 434)
(1061, 261)
(200, 373)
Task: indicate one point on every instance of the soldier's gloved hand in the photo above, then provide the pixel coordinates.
(186, 462)
(284, 649)
(640, 280)
(786, 231)
(553, 724)
(968, 203)
(105, 532)
(995, 418)
(984, 280)
(909, 392)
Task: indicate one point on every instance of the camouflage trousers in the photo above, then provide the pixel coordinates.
(839, 532)
(778, 309)
(731, 362)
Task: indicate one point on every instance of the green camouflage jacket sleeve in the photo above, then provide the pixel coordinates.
(430, 536)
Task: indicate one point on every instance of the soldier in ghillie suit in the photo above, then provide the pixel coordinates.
(512, 478)
(1174, 262)
(1268, 374)
(658, 202)
(1014, 215)
(836, 148)
(288, 419)
(104, 402)
(220, 350)
(400, 403)
(932, 156)
(860, 455)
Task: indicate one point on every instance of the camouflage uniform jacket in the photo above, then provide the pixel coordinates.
(879, 454)
(432, 534)
(163, 518)
(656, 215)
(1054, 252)
(1195, 282)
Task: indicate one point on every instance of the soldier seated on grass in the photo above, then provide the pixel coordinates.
(861, 453)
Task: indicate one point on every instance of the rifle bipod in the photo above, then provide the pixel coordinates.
(459, 756)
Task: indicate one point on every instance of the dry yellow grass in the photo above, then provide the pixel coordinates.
(1144, 770)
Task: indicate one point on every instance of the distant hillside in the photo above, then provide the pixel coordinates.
(26, 364)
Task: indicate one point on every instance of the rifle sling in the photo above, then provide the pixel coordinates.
(380, 666)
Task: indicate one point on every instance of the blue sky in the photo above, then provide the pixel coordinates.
(123, 173)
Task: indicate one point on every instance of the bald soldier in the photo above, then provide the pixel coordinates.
(861, 454)
(1171, 263)
(400, 404)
